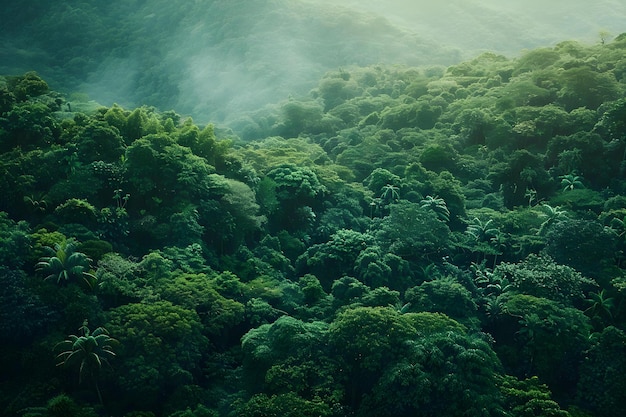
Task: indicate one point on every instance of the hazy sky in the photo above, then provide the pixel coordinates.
(505, 26)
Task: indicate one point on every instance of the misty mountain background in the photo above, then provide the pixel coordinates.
(215, 60)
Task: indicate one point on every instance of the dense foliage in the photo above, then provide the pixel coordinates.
(404, 241)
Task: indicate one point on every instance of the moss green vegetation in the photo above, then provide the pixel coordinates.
(403, 241)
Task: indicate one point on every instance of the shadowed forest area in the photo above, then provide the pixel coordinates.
(417, 240)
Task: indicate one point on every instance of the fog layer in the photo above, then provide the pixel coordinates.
(216, 59)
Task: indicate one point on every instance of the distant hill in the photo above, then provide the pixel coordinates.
(215, 59)
(502, 26)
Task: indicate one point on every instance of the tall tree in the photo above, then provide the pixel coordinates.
(89, 351)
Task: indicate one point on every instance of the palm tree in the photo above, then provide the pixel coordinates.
(531, 195)
(531, 325)
(481, 231)
(66, 265)
(483, 235)
(438, 205)
(495, 306)
(375, 204)
(499, 242)
(402, 308)
(571, 181)
(88, 351)
(119, 200)
(489, 284)
(390, 193)
(618, 226)
(551, 215)
(600, 304)
(36, 204)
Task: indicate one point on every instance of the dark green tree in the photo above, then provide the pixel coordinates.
(537, 336)
(241, 203)
(28, 126)
(585, 245)
(27, 86)
(371, 268)
(348, 290)
(330, 260)
(61, 405)
(89, 352)
(298, 190)
(289, 356)
(601, 387)
(442, 374)
(22, 311)
(380, 178)
(522, 170)
(16, 242)
(99, 141)
(584, 87)
(287, 405)
(219, 315)
(121, 281)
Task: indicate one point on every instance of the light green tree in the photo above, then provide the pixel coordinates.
(163, 344)
(481, 231)
(571, 181)
(65, 264)
(413, 232)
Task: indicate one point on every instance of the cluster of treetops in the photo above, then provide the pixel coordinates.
(402, 241)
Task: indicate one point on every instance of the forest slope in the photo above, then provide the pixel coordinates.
(402, 241)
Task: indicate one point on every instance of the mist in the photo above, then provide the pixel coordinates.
(502, 26)
(215, 60)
